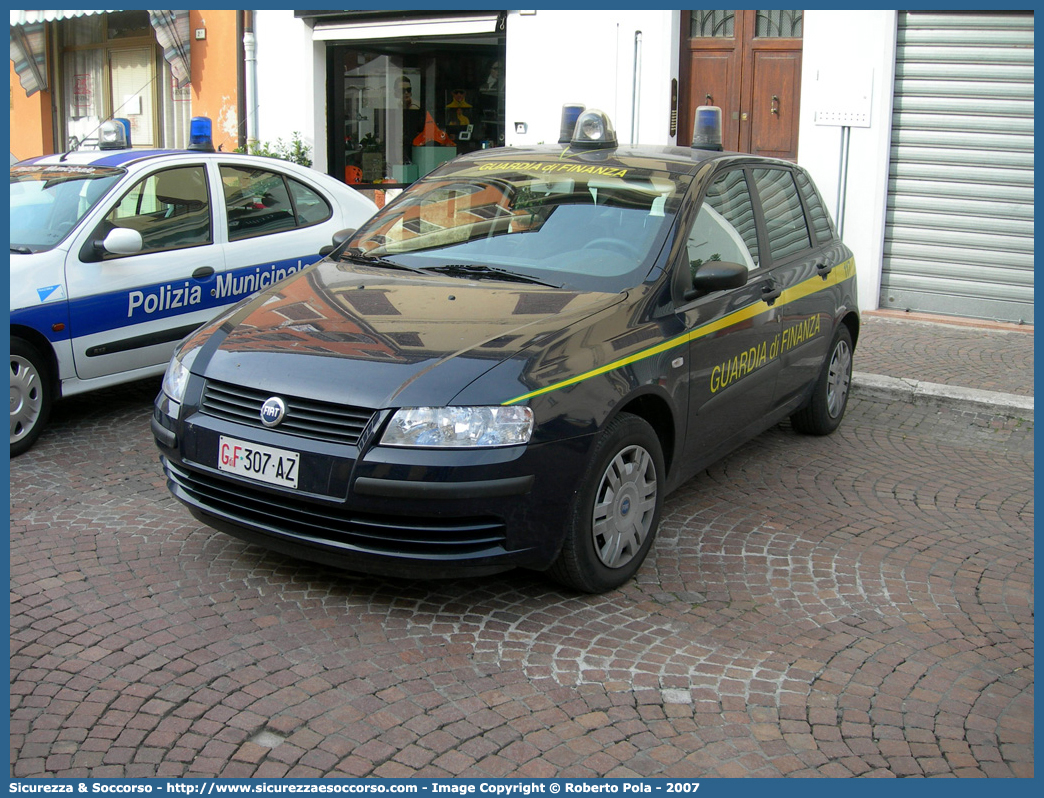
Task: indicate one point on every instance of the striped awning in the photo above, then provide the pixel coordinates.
(172, 33)
(29, 43)
(33, 17)
(29, 55)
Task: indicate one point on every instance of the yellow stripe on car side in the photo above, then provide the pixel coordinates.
(839, 274)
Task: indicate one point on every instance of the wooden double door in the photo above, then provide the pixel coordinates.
(748, 63)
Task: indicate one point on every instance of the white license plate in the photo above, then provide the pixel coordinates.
(263, 463)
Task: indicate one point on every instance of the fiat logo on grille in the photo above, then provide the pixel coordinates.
(273, 411)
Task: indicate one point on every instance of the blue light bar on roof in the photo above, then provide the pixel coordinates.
(201, 134)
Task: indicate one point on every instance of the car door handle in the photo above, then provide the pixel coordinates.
(823, 269)
(202, 273)
(770, 292)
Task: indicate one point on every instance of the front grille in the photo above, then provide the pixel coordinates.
(398, 534)
(323, 421)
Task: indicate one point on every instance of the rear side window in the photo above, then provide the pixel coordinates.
(784, 215)
(257, 202)
(170, 209)
(311, 207)
(260, 202)
(817, 212)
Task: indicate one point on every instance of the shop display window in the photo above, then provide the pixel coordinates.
(402, 114)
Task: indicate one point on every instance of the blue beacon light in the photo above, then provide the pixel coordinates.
(706, 133)
(201, 134)
(570, 113)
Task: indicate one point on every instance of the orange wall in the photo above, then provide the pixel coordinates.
(31, 130)
(215, 92)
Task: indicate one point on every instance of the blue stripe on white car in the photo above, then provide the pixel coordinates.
(118, 309)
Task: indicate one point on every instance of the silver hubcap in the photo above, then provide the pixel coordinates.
(838, 378)
(26, 397)
(624, 506)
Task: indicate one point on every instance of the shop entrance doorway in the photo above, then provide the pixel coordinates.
(398, 110)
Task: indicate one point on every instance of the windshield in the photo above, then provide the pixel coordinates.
(578, 226)
(48, 201)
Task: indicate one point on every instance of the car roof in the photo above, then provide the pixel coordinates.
(130, 158)
(100, 157)
(132, 161)
(675, 160)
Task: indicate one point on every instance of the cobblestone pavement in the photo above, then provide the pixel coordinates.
(995, 357)
(856, 605)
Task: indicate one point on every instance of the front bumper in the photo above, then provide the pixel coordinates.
(382, 510)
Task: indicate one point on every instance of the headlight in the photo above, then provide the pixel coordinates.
(176, 378)
(456, 427)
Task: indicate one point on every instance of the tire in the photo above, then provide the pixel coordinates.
(32, 394)
(616, 513)
(826, 408)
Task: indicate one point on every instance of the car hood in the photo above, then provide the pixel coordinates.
(378, 338)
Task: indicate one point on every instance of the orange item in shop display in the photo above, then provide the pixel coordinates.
(432, 134)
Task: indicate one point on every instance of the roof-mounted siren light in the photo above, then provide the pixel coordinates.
(570, 113)
(706, 133)
(114, 135)
(593, 131)
(201, 134)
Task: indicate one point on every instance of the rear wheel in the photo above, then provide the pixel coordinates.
(31, 395)
(824, 412)
(616, 514)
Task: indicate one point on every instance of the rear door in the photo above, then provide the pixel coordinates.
(801, 260)
(274, 224)
(126, 312)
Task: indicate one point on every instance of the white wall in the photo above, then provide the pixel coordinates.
(291, 83)
(556, 57)
(841, 47)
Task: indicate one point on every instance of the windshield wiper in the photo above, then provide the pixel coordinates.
(384, 263)
(488, 272)
(21, 250)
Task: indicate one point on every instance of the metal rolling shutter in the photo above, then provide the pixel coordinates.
(959, 225)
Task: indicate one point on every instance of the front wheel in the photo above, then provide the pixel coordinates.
(617, 511)
(826, 408)
(31, 395)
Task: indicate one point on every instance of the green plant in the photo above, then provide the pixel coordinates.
(296, 151)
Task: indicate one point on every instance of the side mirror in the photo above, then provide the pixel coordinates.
(339, 238)
(716, 275)
(123, 241)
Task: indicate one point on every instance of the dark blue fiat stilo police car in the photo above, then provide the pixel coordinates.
(513, 364)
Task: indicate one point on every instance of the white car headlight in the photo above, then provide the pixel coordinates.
(175, 380)
(457, 427)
